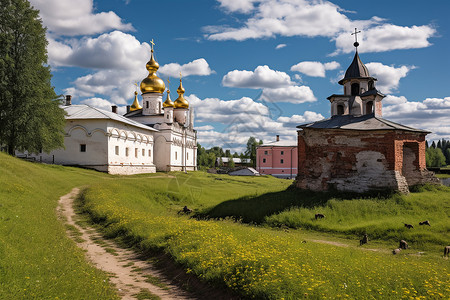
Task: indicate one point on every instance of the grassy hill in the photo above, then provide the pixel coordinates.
(252, 256)
(37, 260)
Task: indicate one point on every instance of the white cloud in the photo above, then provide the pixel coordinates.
(204, 128)
(261, 77)
(196, 67)
(65, 17)
(240, 119)
(393, 100)
(104, 104)
(115, 50)
(388, 76)
(310, 18)
(292, 94)
(387, 37)
(315, 68)
(243, 6)
(118, 85)
(295, 120)
(431, 114)
(279, 46)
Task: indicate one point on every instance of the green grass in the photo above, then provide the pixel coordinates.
(146, 294)
(156, 281)
(266, 263)
(252, 257)
(37, 259)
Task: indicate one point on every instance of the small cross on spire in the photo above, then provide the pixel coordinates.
(153, 43)
(180, 76)
(356, 44)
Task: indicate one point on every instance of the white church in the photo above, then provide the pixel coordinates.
(154, 136)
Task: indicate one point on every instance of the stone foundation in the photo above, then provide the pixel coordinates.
(130, 170)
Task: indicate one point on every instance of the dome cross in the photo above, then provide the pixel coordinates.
(356, 44)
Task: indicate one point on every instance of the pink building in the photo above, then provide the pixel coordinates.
(277, 158)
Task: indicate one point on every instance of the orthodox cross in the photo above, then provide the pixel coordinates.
(153, 43)
(356, 44)
(168, 84)
(136, 84)
(180, 75)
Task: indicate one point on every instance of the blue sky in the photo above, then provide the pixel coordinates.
(254, 67)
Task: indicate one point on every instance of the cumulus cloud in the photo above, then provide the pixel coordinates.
(392, 100)
(104, 104)
(196, 67)
(114, 50)
(236, 120)
(430, 114)
(315, 68)
(388, 76)
(279, 46)
(242, 6)
(118, 85)
(387, 37)
(308, 18)
(261, 77)
(291, 94)
(66, 18)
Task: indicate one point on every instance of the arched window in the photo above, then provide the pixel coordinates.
(369, 107)
(371, 85)
(355, 89)
(340, 109)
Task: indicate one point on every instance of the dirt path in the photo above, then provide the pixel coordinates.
(129, 274)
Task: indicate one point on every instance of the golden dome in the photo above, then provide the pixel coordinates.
(135, 105)
(168, 102)
(181, 102)
(152, 83)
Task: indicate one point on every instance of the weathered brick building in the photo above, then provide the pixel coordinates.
(356, 149)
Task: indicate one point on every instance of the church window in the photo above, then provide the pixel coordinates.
(136, 152)
(82, 147)
(264, 160)
(149, 152)
(282, 152)
(371, 85)
(176, 155)
(143, 152)
(159, 106)
(345, 90)
(282, 161)
(127, 151)
(187, 155)
(355, 89)
(117, 150)
(369, 107)
(340, 110)
(146, 104)
(265, 152)
(167, 116)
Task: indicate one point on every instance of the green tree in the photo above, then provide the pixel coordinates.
(434, 157)
(231, 163)
(30, 116)
(251, 149)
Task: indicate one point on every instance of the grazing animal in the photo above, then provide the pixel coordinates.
(446, 251)
(396, 251)
(409, 226)
(403, 245)
(425, 223)
(319, 216)
(364, 240)
(185, 210)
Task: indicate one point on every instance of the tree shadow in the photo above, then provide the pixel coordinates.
(254, 209)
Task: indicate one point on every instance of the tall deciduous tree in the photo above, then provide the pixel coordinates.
(251, 149)
(30, 116)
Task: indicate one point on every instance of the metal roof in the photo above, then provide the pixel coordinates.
(280, 144)
(356, 70)
(82, 111)
(365, 123)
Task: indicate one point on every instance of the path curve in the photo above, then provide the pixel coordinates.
(122, 265)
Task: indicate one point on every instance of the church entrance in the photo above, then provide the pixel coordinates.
(410, 167)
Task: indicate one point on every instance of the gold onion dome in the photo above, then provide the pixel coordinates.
(181, 102)
(152, 83)
(135, 105)
(168, 102)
